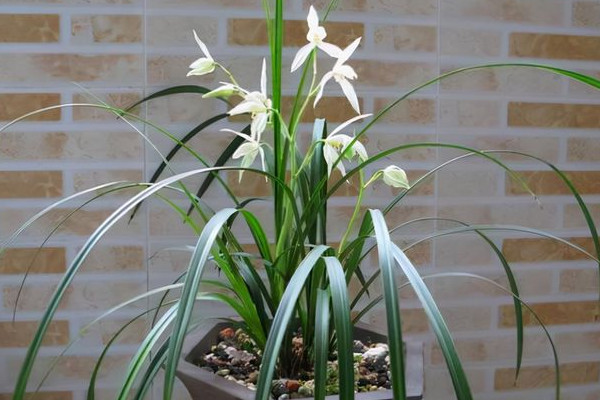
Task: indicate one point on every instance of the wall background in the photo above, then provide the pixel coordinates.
(120, 50)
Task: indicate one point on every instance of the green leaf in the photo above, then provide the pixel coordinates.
(188, 295)
(343, 326)
(321, 343)
(392, 310)
(144, 350)
(169, 92)
(282, 319)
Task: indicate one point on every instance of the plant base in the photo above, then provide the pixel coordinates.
(201, 383)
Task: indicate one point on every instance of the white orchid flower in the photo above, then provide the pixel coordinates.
(342, 74)
(225, 90)
(337, 143)
(203, 65)
(315, 37)
(257, 104)
(395, 176)
(248, 151)
(392, 176)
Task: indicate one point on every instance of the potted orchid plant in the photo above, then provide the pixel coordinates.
(303, 286)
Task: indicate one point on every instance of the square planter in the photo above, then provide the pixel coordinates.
(201, 383)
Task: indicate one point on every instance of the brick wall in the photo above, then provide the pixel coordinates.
(120, 50)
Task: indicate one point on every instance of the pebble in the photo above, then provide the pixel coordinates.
(292, 385)
(226, 333)
(223, 372)
(305, 391)
(253, 377)
(278, 388)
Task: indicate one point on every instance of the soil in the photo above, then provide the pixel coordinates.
(237, 358)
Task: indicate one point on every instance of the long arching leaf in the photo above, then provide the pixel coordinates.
(392, 310)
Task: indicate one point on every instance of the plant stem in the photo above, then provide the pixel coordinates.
(354, 214)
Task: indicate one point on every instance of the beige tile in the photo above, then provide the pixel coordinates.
(378, 141)
(332, 108)
(573, 217)
(470, 42)
(79, 296)
(252, 4)
(115, 259)
(61, 68)
(542, 12)
(493, 348)
(41, 395)
(543, 147)
(504, 80)
(389, 74)
(253, 32)
(505, 214)
(549, 183)
(406, 38)
(395, 7)
(529, 283)
(586, 14)
(21, 333)
(456, 182)
(469, 113)
(70, 145)
(579, 343)
(117, 100)
(106, 29)
(14, 105)
(30, 184)
(176, 30)
(88, 179)
(578, 281)
(542, 249)
(554, 46)
(82, 222)
(441, 387)
(536, 377)
(558, 313)
(410, 111)
(72, 367)
(23, 28)
(45, 260)
(583, 149)
(553, 115)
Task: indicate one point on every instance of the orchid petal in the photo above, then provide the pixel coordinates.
(313, 18)
(345, 124)
(201, 66)
(248, 149)
(258, 125)
(331, 49)
(202, 46)
(247, 107)
(350, 94)
(301, 56)
(240, 134)
(348, 51)
(347, 71)
(324, 80)
(330, 155)
(263, 78)
(359, 148)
